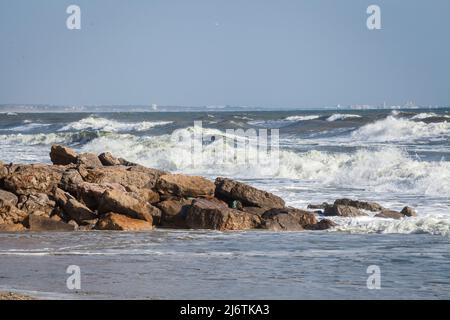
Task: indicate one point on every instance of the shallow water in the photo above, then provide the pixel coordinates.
(169, 264)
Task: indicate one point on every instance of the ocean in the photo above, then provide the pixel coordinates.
(393, 157)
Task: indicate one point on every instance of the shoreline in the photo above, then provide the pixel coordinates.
(8, 295)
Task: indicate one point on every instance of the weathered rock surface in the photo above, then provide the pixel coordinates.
(114, 221)
(9, 213)
(78, 211)
(173, 212)
(8, 198)
(33, 179)
(91, 193)
(39, 223)
(107, 159)
(89, 160)
(207, 214)
(343, 211)
(323, 224)
(120, 202)
(247, 195)
(185, 186)
(370, 206)
(288, 219)
(61, 155)
(39, 204)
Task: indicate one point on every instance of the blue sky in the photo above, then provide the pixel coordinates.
(288, 53)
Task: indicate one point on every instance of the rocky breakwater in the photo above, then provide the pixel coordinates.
(88, 192)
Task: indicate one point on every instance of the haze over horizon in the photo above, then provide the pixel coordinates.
(286, 54)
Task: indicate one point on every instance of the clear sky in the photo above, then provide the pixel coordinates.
(287, 53)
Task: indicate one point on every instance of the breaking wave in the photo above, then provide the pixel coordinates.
(400, 129)
(386, 169)
(102, 124)
(302, 118)
(339, 116)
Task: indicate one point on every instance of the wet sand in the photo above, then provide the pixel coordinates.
(14, 296)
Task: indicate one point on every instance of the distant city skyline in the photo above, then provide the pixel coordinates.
(289, 54)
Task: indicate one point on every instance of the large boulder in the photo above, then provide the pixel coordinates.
(185, 186)
(39, 223)
(137, 176)
(89, 160)
(70, 181)
(78, 211)
(343, 211)
(39, 204)
(248, 195)
(323, 224)
(33, 179)
(144, 194)
(91, 193)
(114, 221)
(108, 159)
(288, 219)
(61, 155)
(123, 203)
(364, 205)
(9, 213)
(207, 214)
(173, 212)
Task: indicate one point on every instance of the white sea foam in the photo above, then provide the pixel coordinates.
(302, 118)
(340, 116)
(102, 124)
(426, 115)
(399, 129)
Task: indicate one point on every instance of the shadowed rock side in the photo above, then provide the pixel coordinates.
(89, 192)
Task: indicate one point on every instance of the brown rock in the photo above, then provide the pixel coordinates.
(287, 219)
(370, 206)
(144, 194)
(114, 221)
(206, 214)
(70, 181)
(123, 203)
(78, 211)
(185, 186)
(12, 227)
(9, 213)
(249, 196)
(61, 155)
(390, 214)
(89, 160)
(318, 206)
(323, 224)
(343, 211)
(8, 198)
(173, 212)
(107, 159)
(33, 179)
(139, 177)
(39, 223)
(38, 204)
(409, 212)
(91, 193)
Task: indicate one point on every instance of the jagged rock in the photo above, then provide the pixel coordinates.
(287, 219)
(323, 224)
(370, 206)
(249, 196)
(9, 213)
(123, 203)
(207, 214)
(114, 221)
(255, 210)
(8, 198)
(343, 211)
(78, 211)
(139, 177)
(185, 186)
(12, 227)
(38, 204)
(409, 212)
(108, 159)
(89, 160)
(173, 212)
(91, 193)
(61, 155)
(33, 179)
(146, 195)
(39, 223)
(318, 206)
(70, 181)
(390, 214)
